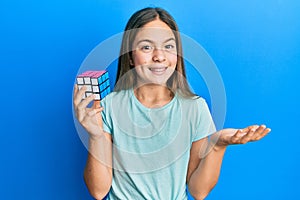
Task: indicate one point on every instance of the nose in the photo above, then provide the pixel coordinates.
(158, 55)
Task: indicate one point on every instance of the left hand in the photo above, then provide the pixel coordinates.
(241, 136)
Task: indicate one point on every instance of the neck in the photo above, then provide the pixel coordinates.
(153, 95)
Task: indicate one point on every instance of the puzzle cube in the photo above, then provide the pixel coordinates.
(96, 82)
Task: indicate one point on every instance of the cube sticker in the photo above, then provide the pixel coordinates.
(96, 82)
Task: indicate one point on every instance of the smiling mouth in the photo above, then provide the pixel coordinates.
(158, 70)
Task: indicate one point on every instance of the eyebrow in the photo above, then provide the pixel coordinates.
(150, 41)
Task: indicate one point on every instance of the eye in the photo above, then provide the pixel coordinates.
(146, 48)
(169, 47)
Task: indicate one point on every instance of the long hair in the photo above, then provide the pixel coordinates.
(177, 82)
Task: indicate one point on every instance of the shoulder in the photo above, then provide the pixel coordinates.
(193, 108)
(196, 101)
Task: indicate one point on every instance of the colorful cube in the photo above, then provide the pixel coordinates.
(96, 82)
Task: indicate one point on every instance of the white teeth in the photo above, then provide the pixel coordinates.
(158, 69)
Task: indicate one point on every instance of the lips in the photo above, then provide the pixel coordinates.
(158, 70)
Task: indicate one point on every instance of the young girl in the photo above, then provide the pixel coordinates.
(152, 136)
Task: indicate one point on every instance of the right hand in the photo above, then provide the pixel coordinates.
(89, 118)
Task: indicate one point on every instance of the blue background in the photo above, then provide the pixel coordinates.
(255, 44)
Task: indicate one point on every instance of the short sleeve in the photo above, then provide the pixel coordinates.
(205, 124)
(106, 116)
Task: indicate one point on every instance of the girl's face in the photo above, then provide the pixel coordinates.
(154, 53)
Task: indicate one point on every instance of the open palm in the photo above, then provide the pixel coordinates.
(231, 136)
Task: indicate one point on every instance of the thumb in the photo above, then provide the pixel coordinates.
(96, 104)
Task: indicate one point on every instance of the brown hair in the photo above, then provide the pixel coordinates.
(177, 82)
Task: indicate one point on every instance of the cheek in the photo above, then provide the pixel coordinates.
(173, 60)
(140, 59)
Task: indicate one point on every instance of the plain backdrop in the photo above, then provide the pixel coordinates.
(255, 44)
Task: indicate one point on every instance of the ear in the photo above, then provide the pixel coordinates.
(131, 62)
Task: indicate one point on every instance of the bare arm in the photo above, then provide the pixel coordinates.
(204, 171)
(98, 171)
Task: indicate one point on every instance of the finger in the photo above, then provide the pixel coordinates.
(259, 131)
(75, 90)
(96, 104)
(79, 96)
(237, 136)
(247, 129)
(263, 134)
(94, 112)
(98, 115)
(254, 126)
(83, 104)
(248, 136)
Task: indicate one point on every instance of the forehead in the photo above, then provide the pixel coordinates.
(155, 30)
